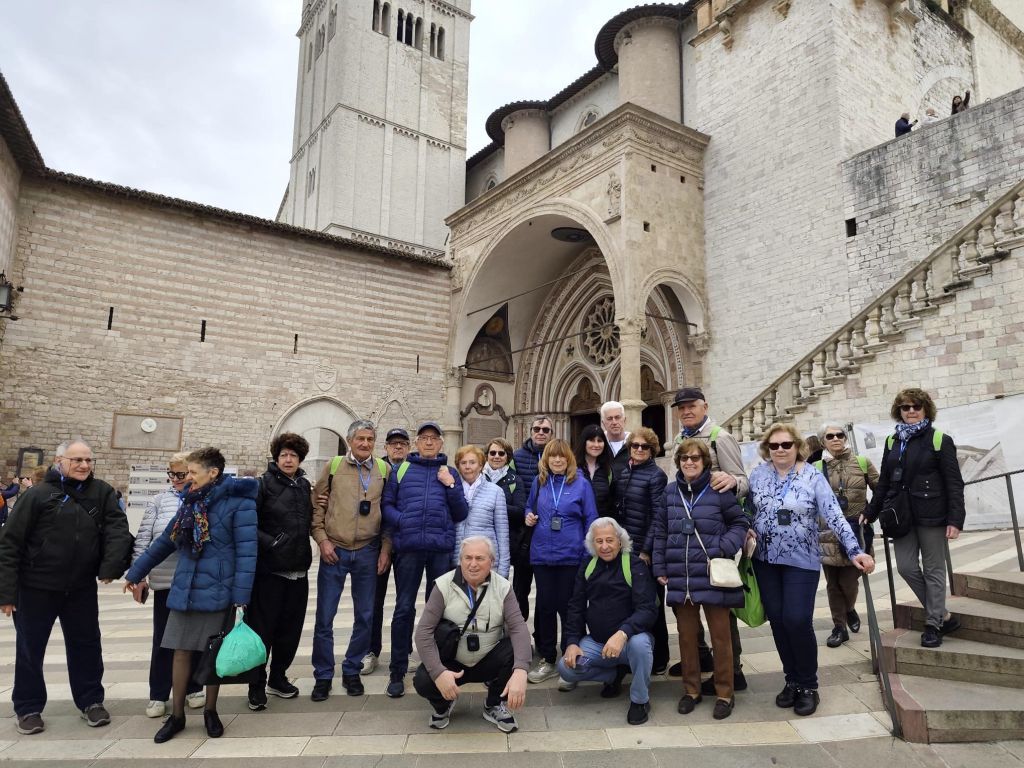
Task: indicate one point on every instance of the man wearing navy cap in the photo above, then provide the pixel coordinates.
(423, 501)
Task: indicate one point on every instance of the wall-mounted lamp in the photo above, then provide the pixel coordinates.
(7, 294)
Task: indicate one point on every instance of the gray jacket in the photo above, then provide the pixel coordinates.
(159, 512)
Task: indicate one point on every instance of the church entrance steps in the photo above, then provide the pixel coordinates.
(981, 620)
(957, 659)
(1003, 588)
(933, 710)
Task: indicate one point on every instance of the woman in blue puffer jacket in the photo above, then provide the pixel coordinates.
(697, 525)
(214, 533)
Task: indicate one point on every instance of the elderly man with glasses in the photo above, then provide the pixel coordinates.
(64, 534)
(527, 458)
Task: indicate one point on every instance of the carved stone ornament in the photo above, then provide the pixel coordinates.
(782, 7)
(324, 376)
(700, 342)
(600, 334)
(454, 376)
(725, 27)
(614, 195)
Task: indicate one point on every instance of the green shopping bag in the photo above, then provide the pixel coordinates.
(752, 612)
(241, 650)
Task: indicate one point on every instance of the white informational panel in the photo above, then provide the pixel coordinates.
(144, 482)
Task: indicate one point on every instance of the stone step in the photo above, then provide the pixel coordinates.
(1005, 588)
(932, 710)
(980, 620)
(957, 659)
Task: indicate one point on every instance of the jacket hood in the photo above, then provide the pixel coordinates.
(438, 461)
(242, 487)
(697, 485)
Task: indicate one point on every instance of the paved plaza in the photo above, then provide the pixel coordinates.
(851, 727)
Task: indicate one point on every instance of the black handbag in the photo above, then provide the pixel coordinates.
(205, 670)
(447, 633)
(896, 518)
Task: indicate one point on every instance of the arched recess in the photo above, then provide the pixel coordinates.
(323, 421)
(937, 87)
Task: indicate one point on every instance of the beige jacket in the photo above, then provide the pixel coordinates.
(339, 520)
(846, 478)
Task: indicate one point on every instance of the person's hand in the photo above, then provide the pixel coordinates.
(613, 648)
(722, 481)
(515, 689)
(7, 609)
(531, 519)
(864, 562)
(445, 476)
(104, 581)
(327, 553)
(446, 684)
(572, 653)
(862, 519)
(663, 580)
(646, 557)
(952, 532)
(383, 561)
(321, 499)
(128, 587)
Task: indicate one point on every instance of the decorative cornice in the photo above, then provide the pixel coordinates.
(450, 10)
(309, 13)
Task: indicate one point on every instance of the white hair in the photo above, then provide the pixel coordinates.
(492, 550)
(612, 405)
(66, 445)
(608, 522)
(824, 428)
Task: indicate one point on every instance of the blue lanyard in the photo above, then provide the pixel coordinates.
(785, 488)
(689, 505)
(557, 498)
(469, 594)
(366, 485)
(903, 449)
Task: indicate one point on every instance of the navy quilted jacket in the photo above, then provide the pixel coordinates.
(640, 491)
(527, 459)
(420, 511)
(222, 574)
(722, 527)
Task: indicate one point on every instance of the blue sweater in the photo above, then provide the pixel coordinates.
(487, 517)
(222, 574)
(576, 510)
(419, 510)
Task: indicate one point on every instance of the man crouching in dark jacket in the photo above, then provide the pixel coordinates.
(614, 598)
(64, 534)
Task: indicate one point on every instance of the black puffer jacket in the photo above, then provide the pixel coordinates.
(61, 536)
(527, 460)
(931, 478)
(640, 492)
(604, 489)
(284, 508)
(515, 506)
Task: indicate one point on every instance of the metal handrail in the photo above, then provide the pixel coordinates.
(875, 643)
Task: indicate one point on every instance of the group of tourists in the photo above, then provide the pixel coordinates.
(606, 536)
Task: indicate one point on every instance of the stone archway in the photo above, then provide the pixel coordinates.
(323, 421)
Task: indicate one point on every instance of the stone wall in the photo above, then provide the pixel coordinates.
(999, 64)
(911, 194)
(602, 96)
(10, 183)
(371, 328)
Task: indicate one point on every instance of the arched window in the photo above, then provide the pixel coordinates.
(408, 28)
(321, 39)
(375, 22)
(433, 39)
(332, 23)
(401, 25)
(310, 182)
(440, 43)
(385, 19)
(418, 34)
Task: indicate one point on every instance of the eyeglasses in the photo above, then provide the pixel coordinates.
(688, 459)
(911, 407)
(785, 446)
(495, 453)
(544, 430)
(77, 460)
(835, 436)
(176, 475)
(640, 447)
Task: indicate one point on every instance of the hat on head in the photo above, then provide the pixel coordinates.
(429, 425)
(687, 395)
(396, 432)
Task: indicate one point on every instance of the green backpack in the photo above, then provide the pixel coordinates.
(936, 441)
(382, 467)
(627, 570)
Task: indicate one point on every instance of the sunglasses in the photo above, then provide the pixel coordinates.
(696, 459)
(640, 447)
(785, 446)
(835, 436)
(176, 475)
(911, 407)
(545, 430)
(495, 453)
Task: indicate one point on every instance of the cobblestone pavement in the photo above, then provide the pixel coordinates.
(556, 730)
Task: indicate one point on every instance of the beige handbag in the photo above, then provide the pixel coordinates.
(724, 572)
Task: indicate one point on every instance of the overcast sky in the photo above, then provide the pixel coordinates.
(194, 98)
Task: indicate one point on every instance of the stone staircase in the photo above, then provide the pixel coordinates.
(951, 268)
(972, 687)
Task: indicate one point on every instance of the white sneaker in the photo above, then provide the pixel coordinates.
(541, 671)
(566, 685)
(369, 664)
(501, 717)
(156, 709)
(196, 700)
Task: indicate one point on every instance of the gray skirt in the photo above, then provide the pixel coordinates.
(190, 630)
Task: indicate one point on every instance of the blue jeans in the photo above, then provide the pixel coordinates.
(638, 653)
(330, 583)
(788, 596)
(408, 569)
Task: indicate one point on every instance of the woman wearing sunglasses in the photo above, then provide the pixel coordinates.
(159, 512)
(789, 495)
(921, 464)
(500, 470)
(849, 476)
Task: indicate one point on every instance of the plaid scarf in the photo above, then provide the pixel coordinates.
(192, 523)
(907, 431)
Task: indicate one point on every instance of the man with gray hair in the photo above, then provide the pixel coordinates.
(611, 612)
(613, 422)
(349, 530)
(64, 534)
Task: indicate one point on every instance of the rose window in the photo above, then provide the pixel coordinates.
(600, 334)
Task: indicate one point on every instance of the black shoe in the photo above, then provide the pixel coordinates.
(637, 714)
(952, 624)
(723, 708)
(660, 670)
(321, 690)
(171, 726)
(614, 688)
(396, 687)
(687, 703)
(853, 621)
(838, 637)
(257, 697)
(707, 660)
(805, 701)
(739, 680)
(786, 697)
(282, 688)
(676, 670)
(708, 687)
(214, 727)
(931, 638)
(353, 685)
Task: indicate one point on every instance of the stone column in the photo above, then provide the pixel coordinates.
(630, 329)
(452, 422)
(671, 427)
(649, 65)
(527, 138)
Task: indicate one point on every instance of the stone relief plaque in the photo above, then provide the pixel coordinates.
(146, 432)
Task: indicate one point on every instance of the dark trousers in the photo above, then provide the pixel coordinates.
(522, 580)
(494, 670)
(788, 597)
(161, 659)
(737, 645)
(34, 615)
(688, 620)
(377, 625)
(843, 585)
(276, 612)
(409, 569)
(659, 632)
(554, 589)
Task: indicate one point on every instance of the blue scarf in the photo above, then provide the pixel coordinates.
(687, 432)
(907, 432)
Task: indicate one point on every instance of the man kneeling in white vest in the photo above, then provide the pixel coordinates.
(614, 599)
(472, 632)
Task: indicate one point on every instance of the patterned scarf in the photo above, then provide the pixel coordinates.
(494, 475)
(688, 432)
(192, 523)
(906, 432)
